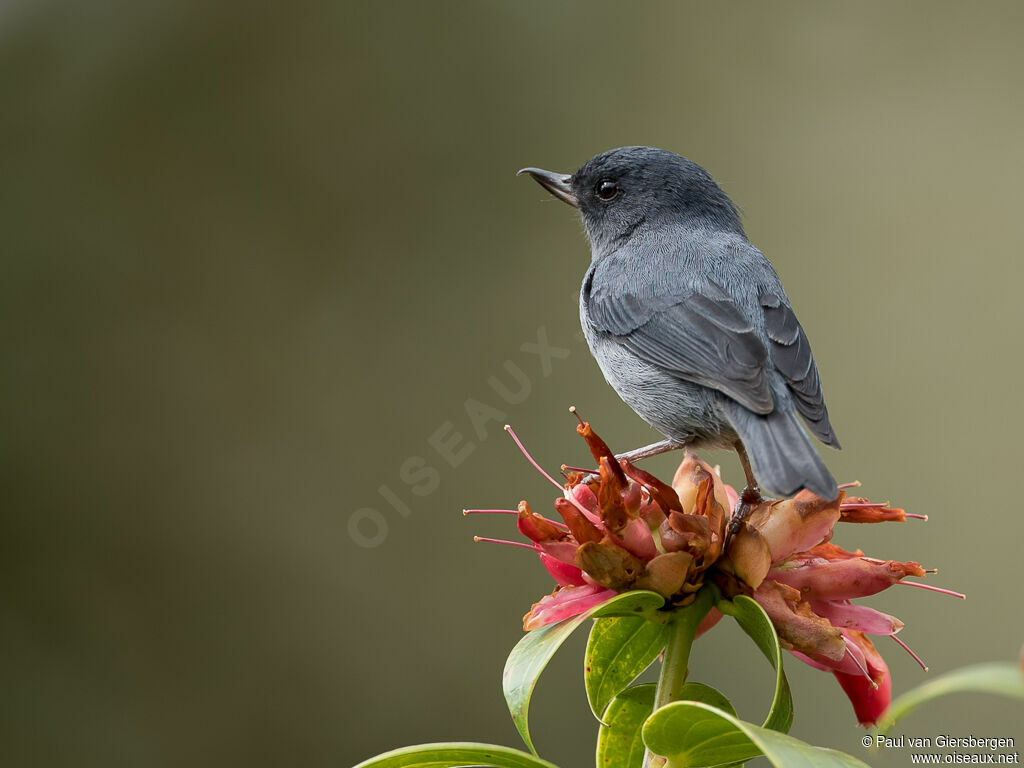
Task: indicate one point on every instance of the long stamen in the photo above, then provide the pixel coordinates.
(563, 526)
(504, 541)
(559, 486)
(844, 486)
(530, 458)
(859, 663)
(572, 410)
(950, 592)
(916, 516)
(906, 648)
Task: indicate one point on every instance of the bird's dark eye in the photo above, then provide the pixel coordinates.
(607, 189)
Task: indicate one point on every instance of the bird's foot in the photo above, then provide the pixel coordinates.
(749, 499)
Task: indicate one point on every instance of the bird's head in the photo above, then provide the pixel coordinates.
(626, 190)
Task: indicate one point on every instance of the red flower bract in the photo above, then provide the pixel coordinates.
(622, 528)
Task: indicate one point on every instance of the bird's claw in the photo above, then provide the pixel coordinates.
(747, 501)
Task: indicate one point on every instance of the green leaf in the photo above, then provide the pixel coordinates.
(452, 754)
(618, 650)
(619, 744)
(535, 650)
(707, 695)
(755, 622)
(1001, 678)
(697, 735)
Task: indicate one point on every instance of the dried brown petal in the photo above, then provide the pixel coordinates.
(538, 528)
(609, 564)
(695, 532)
(794, 525)
(579, 526)
(609, 498)
(666, 573)
(798, 627)
(866, 512)
(673, 541)
(828, 551)
(749, 557)
(665, 495)
(600, 450)
(687, 480)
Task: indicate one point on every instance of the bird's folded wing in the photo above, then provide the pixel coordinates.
(699, 336)
(791, 354)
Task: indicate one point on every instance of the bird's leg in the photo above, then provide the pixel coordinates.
(654, 449)
(749, 499)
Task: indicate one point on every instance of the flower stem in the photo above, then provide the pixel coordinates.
(682, 629)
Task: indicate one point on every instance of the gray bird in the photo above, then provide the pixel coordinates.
(689, 321)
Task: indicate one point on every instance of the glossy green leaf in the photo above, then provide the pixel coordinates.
(706, 695)
(755, 622)
(619, 649)
(1001, 678)
(619, 743)
(534, 651)
(453, 754)
(697, 735)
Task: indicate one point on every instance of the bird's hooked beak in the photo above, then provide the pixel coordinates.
(555, 183)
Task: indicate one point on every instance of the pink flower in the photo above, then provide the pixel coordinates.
(622, 529)
(783, 558)
(870, 694)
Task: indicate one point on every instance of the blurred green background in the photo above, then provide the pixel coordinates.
(256, 257)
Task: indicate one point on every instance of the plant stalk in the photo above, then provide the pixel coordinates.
(674, 668)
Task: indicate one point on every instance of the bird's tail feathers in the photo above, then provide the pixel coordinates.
(781, 453)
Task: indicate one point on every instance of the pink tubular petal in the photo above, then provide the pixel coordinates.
(859, 617)
(538, 528)
(795, 525)
(563, 551)
(651, 513)
(870, 695)
(812, 662)
(565, 603)
(848, 665)
(566, 575)
(853, 577)
(636, 537)
(869, 701)
(586, 502)
(857, 656)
